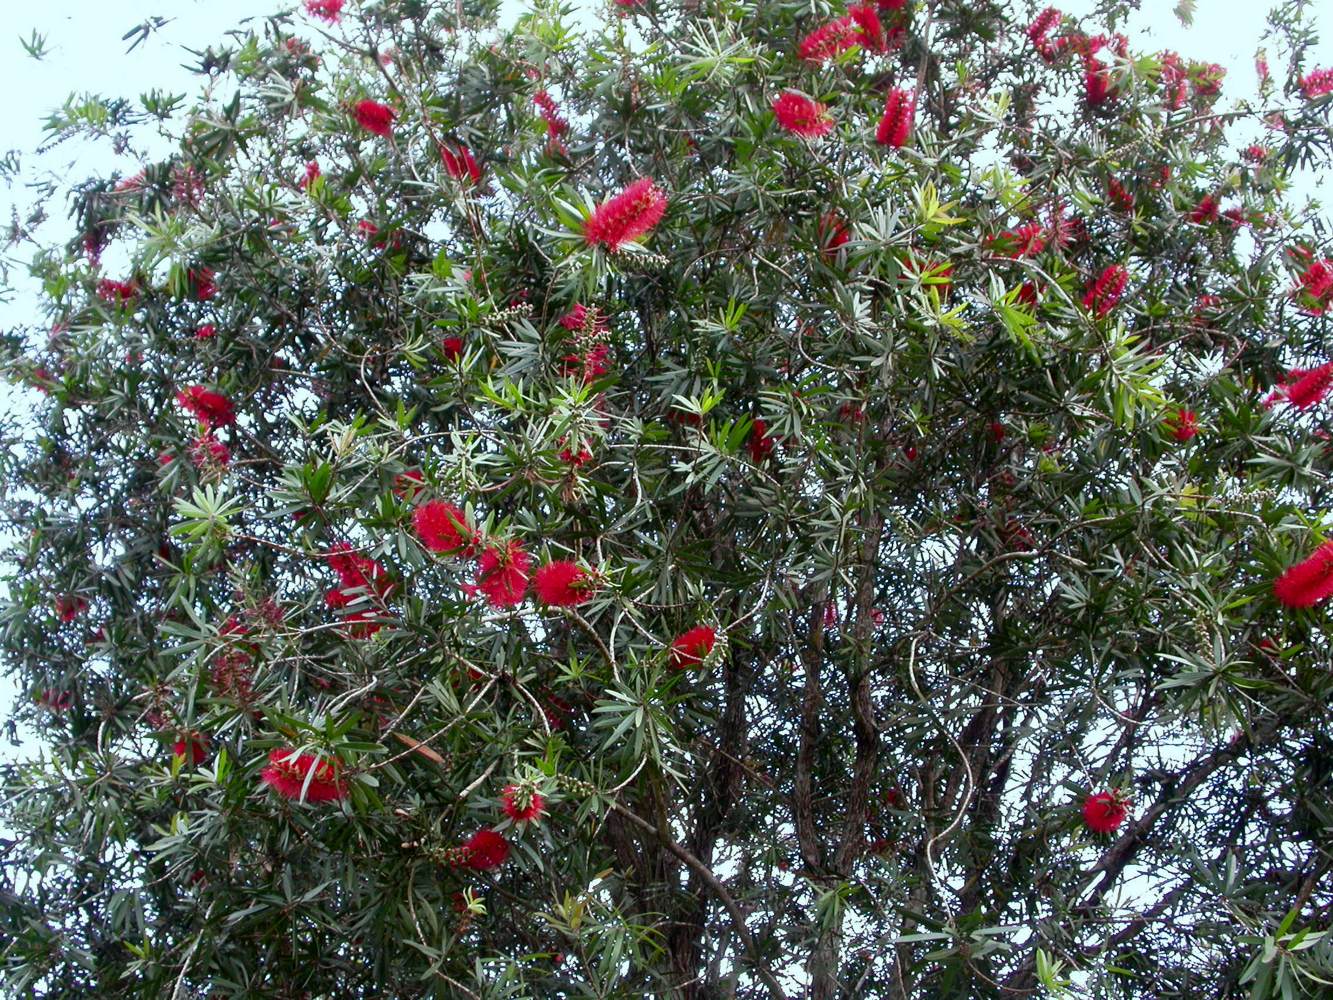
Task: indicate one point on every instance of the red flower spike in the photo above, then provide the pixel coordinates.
(870, 32)
(1103, 812)
(1184, 427)
(407, 484)
(829, 40)
(117, 293)
(1315, 286)
(201, 283)
(1041, 27)
(451, 348)
(1317, 83)
(328, 11)
(833, 233)
(556, 125)
(70, 606)
(1119, 197)
(502, 574)
(522, 804)
(895, 125)
(460, 164)
(1102, 296)
(311, 175)
(205, 332)
(287, 774)
(627, 216)
(1307, 583)
(485, 850)
(1305, 389)
(442, 527)
(802, 116)
(358, 577)
(1205, 212)
(374, 117)
(761, 443)
(209, 451)
(197, 745)
(690, 648)
(562, 584)
(212, 409)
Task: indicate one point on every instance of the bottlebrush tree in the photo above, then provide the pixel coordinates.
(719, 499)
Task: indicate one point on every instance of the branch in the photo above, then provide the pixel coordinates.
(719, 890)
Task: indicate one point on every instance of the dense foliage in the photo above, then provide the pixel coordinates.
(701, 500)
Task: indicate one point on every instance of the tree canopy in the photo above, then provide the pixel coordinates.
(704, 499)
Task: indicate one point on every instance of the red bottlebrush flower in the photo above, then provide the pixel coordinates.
(212, 409)
(833, 233)
(289, 774)
(116, 293)
(1184, 426)
(870, 32)
(205, 332)
(201, 283)
(1103, 812)
(312, 174)
(761, 443)
(208, 450)
(134, 183)
(589, 322)
(1102, 296)
(829, 40)
(1119, 197)
(451, 348)
(328, 11)
(197, 745)
(1026, 241)
(485, 850)
(1317, 83)
(188, 186)
(522, 804)
(1174, 80)
(1307, 583)
(1064, 230)
(1207, 79)
(627, 216)
(359, 577)
(442, 527)
(556, 125)
(1205, 212)
(561, 584)
(1097, 88)
(895, 125)
(70, 606)
(502, 574)
(582, 458)
(890, 4)
(690, 648)
(460, 164)
(799, 114)
(1254, 153)
(55, 700)
(374, 117)
(996, 431)
(589, 365)
(1304, 389)
(1027, 295)
(1041, 27)
(1315, 286)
